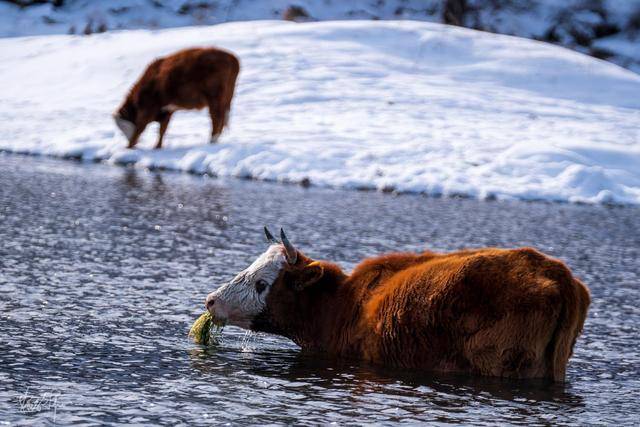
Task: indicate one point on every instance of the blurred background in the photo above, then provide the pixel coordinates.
(606, 29)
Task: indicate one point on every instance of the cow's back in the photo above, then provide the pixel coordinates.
(512, 313)
(188, 78)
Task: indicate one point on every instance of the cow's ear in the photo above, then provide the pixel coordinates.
(308, 275)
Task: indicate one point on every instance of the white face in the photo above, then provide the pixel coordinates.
(243, 298)
(125, 126)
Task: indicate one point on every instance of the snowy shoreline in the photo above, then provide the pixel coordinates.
(306, 183)
(401, 106)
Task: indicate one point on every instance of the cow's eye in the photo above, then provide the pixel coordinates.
(261, 285)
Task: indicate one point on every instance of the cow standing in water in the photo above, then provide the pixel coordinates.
(512, 313)
(189, 79)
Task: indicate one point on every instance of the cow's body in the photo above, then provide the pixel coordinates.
(508, 313)
(187, 80)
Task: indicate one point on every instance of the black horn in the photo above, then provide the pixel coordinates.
(292, 253)
(270, 237)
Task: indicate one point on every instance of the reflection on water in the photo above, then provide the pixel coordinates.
(103, 269)
(377, 394)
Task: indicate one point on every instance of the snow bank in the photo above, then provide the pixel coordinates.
(403, 106)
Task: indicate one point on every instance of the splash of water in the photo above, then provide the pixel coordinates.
(248, 341)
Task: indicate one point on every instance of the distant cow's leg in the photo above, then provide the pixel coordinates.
(164, 123)
(218, 118)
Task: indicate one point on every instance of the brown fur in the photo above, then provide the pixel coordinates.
(509, 313)
(189, 79)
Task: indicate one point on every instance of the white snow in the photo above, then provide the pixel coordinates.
(402, 105)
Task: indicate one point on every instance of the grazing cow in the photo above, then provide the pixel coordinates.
(189, 79)
(501, 312)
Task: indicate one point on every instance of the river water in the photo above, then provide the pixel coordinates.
(103, 269)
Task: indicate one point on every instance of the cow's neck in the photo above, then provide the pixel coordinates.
(329, 315)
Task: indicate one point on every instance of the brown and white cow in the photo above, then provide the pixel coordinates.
(501, 312)
(189, 79)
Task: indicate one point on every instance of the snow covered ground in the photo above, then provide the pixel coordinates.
(389, 105)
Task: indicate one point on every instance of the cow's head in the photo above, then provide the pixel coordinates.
(125, 118)
(263, 296)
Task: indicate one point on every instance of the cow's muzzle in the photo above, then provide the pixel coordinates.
(127, 128)
(217, 309)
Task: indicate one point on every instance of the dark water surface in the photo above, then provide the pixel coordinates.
(103, 269)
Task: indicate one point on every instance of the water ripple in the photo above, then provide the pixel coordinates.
(103, 270)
